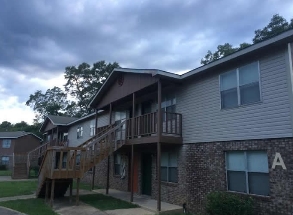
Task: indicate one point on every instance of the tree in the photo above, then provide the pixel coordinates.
(222, 51)
(277, 25)
(54, 101)
(5, 126)
(21, 126)
(83, 82)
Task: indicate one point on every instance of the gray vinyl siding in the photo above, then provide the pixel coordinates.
(72, 133)
(103, 120)
(204, 121)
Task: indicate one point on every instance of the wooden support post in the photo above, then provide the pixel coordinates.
(108, 174)
(70, 191)
(47, 191)
(93, 178)
(159, 175)
(132, 149)
(108, 162)
(52, 192)
(77, 191)
(96, 123)
(159, 144)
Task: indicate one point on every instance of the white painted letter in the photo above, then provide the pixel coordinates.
(278, 161)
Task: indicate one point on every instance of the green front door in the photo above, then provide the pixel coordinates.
(146, 170)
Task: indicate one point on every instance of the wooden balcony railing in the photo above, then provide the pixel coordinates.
(146, 125)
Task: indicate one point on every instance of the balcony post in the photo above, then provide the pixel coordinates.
(108, 162)
(96, 123)
(159, 120)
(132, 149)
(94, 168)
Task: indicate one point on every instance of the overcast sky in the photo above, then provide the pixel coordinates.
(39, 38)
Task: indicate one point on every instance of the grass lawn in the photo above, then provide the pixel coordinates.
(84, 186)
(5, 173)
(103, 202)
(29, 206)
(17, 188)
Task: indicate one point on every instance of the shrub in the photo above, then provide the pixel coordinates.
(223, 203)
(3, 167)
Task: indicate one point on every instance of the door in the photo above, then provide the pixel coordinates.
(146, 172)
(135, 173)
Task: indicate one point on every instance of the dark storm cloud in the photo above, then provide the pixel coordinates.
(39, 38)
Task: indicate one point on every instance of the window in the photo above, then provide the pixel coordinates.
(6, 143)
(169, 167)
(248, 172)
(79, 132)
(120, 116)
(168, 107)
(93, 128)
(117, 163)
(240, 86)
(5, 160)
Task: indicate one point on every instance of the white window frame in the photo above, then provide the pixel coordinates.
(93, 128)
(169, 166)
(117, 161)
(79, 132)
(238, 86)
(6, 143)
(6, 161)
(246, 171)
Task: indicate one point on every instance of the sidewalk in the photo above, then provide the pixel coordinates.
(62, 206)
(8, 178)
(144, 202)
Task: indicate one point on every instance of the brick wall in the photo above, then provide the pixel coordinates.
(116, 182)
(174, 193)
(201, 169)
(206, 173)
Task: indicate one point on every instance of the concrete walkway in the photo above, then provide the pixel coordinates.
(4, 199)
(63, 207)
(8, 178)
(144, 202)
(7, 211)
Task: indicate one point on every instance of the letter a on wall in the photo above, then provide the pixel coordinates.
(278, 161)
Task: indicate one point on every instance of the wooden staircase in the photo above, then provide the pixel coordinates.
(19, 171)
(63, 164)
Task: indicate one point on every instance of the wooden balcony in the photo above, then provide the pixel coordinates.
(146, 129)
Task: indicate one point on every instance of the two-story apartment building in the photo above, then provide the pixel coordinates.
(226, 126)
(16, 142)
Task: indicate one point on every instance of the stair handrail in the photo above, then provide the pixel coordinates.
(35, 150)
(89, 144)
(97, 135)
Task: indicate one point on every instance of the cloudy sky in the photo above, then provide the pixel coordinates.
(39, 38)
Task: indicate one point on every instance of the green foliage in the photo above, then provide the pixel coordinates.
(54, 101)
(3, 167)
(276, 26)
(21, 126)
(83, 81)
(34, 171)
(222, 203)
(29, 206)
